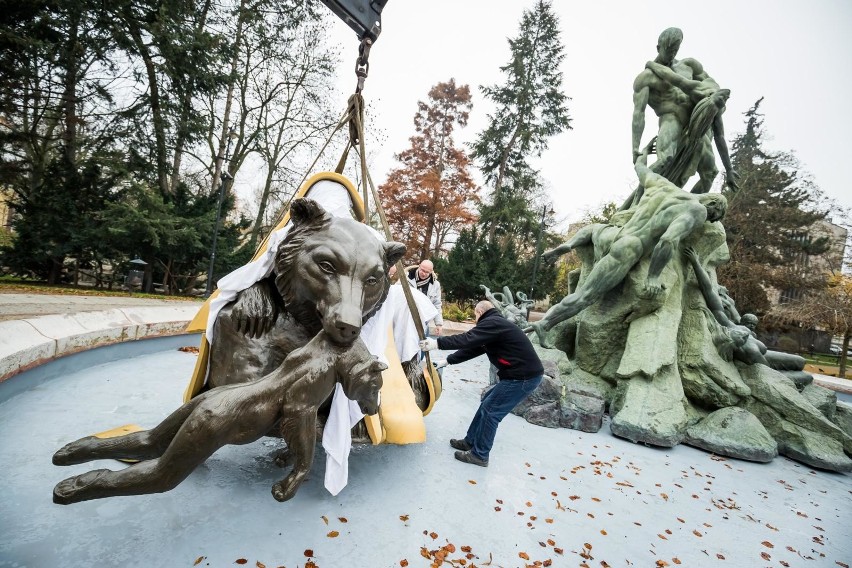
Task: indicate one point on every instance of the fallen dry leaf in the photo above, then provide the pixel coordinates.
(240, 561)
(403, 518)
(661, 563)
(259, 564)
(681, 520)
(529, 504)
(664, 496)
(343, 519)
(551, 542)
(333, 534)
(662, 536)
(434, 535)
(587, 546)
(573, 497)
(596, 500)
(198, 560)
(767, 544)
(558, 551)
(603, 532)
(310, 564)
(548, 521)
(719, 556)
(309, 552)
(676, 560)
(425, 553)
(472, 482)
(524, 555)
(403, 563)
(500, 501)
(765, 556)
(696, 533)
(497, 509)
(324, 519)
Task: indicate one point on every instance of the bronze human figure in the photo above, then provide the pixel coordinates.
(663, 217)
(232, 414)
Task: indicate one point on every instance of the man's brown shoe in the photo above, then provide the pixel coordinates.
(460, 444)
(468, 457)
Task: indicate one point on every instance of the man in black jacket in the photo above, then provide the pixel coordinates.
(518, 367)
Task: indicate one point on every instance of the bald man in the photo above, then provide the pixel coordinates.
(519, 371)
(423, 278)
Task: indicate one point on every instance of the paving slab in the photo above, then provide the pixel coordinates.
(557, 495)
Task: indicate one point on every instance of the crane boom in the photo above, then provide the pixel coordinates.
(363, 16)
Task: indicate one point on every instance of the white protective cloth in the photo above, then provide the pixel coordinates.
(345, 413)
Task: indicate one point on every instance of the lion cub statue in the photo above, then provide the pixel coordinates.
(232, 414)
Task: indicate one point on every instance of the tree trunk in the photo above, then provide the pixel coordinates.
(69, 97)
(185, 111)
(229, 99)
(158, 121)
(841, 372)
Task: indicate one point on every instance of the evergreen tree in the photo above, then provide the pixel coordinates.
(770, 224)
(474, 261)
(531, 108)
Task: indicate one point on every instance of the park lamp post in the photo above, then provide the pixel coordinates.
(224, 178)
(544, 212)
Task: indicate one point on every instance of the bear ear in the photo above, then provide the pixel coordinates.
(377, 366)
(393, 252)
(306, 211)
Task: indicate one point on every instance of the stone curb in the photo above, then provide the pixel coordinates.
(28, 343)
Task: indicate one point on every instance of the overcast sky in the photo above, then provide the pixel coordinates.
(795, 53)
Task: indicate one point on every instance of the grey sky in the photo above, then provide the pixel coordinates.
(795, 53)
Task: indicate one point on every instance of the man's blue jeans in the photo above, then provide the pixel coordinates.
(494, 407)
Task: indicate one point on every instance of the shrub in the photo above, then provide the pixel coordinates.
(453, 311)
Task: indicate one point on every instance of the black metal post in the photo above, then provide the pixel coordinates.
(224, 177)
(537, 251)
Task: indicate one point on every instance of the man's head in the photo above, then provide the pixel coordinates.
(716, 205)
(425, 269)
(668, 45)
(481, 308)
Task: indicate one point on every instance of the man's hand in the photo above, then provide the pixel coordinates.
(440, 364)
(690, 254)
(438, 329)
(549, 256)
(428, 344)
(732, 179)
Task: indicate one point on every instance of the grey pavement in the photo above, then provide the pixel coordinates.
(549, 495)
(563, 496)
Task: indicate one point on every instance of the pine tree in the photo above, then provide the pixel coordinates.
(770, 224)
(531, 108)
(432, 194)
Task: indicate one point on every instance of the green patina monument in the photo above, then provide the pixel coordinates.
(646, 327)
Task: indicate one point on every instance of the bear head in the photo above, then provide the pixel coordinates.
(332, 272)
